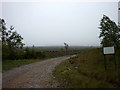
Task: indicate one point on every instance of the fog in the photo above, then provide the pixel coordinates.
(52, 24)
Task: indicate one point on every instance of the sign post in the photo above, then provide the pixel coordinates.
(115, 62)
(105, 62)
(109, 51)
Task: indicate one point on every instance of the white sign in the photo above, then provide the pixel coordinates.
(108, 50)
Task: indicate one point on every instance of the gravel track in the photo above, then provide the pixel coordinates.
(35, 75)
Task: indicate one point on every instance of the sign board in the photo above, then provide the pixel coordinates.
(108, 50)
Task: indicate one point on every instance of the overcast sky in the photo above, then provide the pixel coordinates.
(50, 24)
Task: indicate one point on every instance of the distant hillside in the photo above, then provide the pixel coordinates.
(58, 48)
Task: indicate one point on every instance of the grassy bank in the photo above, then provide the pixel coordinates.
(87, 71)
(9, 64)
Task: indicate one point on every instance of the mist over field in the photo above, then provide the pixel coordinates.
(52, 24)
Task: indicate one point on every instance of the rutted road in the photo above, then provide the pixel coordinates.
(35, 75)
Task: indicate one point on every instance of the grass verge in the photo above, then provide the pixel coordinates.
(9, 64)
(87, 71)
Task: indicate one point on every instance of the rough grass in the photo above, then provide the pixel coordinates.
(9, 64)
(87, 71)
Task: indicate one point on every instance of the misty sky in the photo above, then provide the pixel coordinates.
(51, 24)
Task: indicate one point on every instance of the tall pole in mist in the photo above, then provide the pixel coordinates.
(119, 13)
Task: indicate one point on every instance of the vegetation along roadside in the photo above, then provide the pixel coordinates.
(87, 71)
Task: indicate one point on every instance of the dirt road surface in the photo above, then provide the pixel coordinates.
(35, 75)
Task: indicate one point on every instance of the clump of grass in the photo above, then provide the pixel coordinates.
(87, 71)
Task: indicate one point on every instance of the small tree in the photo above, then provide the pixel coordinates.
(66, 47)
(110, 32)
(11, 40)
(10, 37)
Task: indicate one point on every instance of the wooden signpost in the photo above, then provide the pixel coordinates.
(109, 51)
